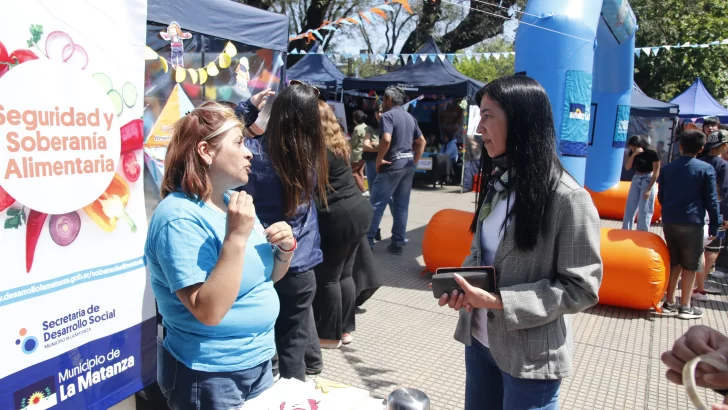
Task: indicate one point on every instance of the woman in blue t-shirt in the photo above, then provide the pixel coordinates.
(212, 268)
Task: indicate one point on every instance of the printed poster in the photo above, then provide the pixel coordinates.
(79, 327)
(621, 126)
(576, 113)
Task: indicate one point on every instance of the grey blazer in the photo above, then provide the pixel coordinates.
(531, 337)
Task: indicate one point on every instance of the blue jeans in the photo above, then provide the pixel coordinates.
(370, 168)
(489, 388)
(637, 204)
(187, 389)
(396, 185)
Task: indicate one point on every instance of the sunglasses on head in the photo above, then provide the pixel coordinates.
(298, 82)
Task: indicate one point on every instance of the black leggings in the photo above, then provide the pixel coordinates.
(295, 292)
(334, 303)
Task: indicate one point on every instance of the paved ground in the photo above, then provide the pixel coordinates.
(405, 339)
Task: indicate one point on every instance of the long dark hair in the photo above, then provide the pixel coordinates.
(296, 146)
(641, 142)
(530, 154)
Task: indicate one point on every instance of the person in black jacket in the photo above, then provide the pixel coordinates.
(343, 222)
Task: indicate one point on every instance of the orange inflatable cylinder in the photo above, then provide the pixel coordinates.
(636, 269)
(610, 203)
(447, 238)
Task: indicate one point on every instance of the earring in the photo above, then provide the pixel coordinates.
(209, 165)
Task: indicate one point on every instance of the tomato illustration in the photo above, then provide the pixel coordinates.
(22, 55)
(4, 58)
(132, 170)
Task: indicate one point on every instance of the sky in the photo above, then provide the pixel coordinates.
(351, 42)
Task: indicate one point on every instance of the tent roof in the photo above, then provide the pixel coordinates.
(696, 101)
(644, 106)
(317, 70)
(225, 19)
(427, 77)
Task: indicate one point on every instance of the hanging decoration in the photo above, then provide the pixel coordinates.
(224, 60)
(358, 19)
(175, 36)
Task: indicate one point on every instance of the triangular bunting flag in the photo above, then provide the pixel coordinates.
(647, 50)
(355, 57)
(415, 57)
(487, 56)
(432, 57)
(405, 57)
(302, 52)
(337, 57)
(441, 57)
(469, 56)
(497, 56)
(478, 57)
(686, 44)
(704, 45)
(423, 57)
(667, 47)
(655, 50)
(451, 57)
(294, 51)
(637, 52)
(714, 43)
(385, 7)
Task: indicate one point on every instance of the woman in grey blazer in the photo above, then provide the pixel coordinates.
(540, 230)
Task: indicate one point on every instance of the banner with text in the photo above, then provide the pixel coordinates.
(79, 327)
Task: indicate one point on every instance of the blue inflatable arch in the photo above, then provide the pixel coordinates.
(582, 52)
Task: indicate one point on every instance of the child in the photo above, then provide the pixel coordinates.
(716, 146)
(686, 191)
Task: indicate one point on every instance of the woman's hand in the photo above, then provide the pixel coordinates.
(240, 216)
(472, 298)
(280, 234)
(697, 341)
(260, 99)
(636, 150)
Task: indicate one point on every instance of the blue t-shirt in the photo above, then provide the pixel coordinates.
(404, 130)
(183, 244)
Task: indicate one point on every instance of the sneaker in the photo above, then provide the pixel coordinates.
(395, 249)
(669, 309)
(347, 338)
(366, 194)
(276, 377)
(717, 274)
(689, 312)
(359, 310)
(713, 290)
(699, 295)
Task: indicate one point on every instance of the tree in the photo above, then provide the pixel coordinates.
(669, 22)
(488, 70)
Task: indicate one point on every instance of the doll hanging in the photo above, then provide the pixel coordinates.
(175, 35)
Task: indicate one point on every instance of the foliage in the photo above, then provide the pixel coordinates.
(491, 69)
(669, 22)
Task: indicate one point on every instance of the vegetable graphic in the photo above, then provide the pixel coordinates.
(5, 200)
(64, 228)
(129, 93)
(77, 55)
(104, 81)
(132, 136)
(20, 56)
(109, 208)
(55, 45)
(4, 59)
(132, 170)
(32, 232)
(116, 101)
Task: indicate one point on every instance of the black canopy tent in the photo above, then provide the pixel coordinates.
(426, 77)
(317, 70)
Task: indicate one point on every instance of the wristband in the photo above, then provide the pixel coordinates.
(295, 245)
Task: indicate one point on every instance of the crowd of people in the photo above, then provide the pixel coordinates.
(260, 252)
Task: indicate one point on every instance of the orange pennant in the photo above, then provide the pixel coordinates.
(379, 12)
(364, 17)
(310, 38)
(352, 20)
(405, 5)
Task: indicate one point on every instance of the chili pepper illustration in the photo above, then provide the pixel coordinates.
(109, 207)
(5, 200)
(34, 227)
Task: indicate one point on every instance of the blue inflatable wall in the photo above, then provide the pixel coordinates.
(582, 52)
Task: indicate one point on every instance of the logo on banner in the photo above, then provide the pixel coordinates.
(40, 395)
(579, 112)
(28, 344)
(62, 329)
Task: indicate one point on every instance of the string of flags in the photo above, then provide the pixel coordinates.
(224, 60)
(653, 51)
(357, 19)
(478, 57)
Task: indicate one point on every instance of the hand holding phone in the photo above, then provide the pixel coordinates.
(482, 277)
